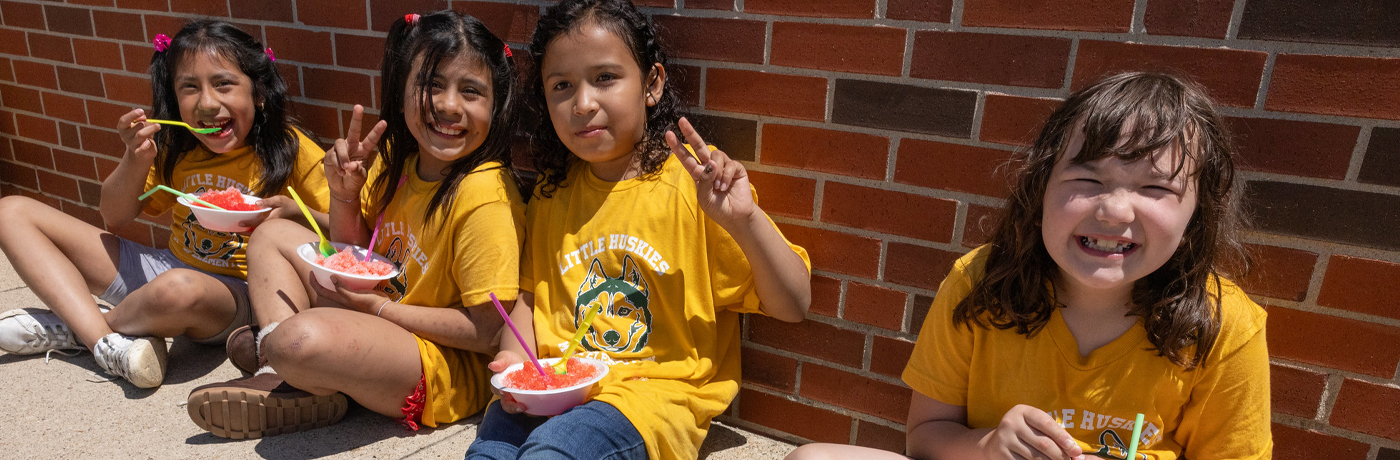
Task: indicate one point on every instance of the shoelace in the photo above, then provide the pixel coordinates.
(49, 354)
(53, 333)
(115, 360)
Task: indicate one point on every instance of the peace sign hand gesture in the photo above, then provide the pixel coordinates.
(348, 162)
(721, 183)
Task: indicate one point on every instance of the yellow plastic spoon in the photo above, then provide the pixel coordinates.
(326, 249)
(180, 123)
(561, 367)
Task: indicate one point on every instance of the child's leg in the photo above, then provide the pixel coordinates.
(177, 302)
(593, 430)
(821, 451)
(501, 434)
(325, 350)
(277, 277)
(62, 259)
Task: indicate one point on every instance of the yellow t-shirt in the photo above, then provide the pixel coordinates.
(467, 252)
(200, 171)
(1218, 410)
(672, 282)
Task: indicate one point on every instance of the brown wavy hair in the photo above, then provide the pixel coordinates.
(1179, 310)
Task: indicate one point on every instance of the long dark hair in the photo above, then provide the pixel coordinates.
(273, 136)
(436, 37)
(1179, 311)
(552, 159)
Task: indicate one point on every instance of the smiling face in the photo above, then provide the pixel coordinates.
(598, 97)
(460, 116)
(1108, 223)
(212, 92)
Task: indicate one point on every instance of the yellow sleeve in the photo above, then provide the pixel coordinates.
(731, 276)
(940, 365)
(158, 202)
(1228, 415)
(488, 253)
(309, 176)
(527, 275)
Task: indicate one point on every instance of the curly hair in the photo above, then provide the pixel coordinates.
(1179, 311)
(551, 158)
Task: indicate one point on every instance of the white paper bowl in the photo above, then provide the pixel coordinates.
(322, 274)
(551, 402)
(223, 221)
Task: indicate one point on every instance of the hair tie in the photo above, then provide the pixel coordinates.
(411, 19)
(270, 56)
(161, 42)
(508, 50)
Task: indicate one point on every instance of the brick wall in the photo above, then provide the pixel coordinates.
(874, 130)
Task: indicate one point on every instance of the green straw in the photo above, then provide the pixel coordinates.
(1137, 432)
(178, 193)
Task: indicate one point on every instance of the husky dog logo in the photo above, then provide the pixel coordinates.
(209, 248)
(1108, 442)
(398, 285)
(624, 297)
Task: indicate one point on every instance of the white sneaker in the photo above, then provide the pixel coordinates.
(25, 333)
(138, 359)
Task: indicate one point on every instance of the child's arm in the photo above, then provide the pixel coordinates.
(347, 168)
(128, 181)
(523, 315)
(939, 430)
(722, 187)
(475, 328)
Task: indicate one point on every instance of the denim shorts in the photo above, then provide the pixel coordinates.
(593, 430)
(138, 264)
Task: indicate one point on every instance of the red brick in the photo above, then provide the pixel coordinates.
(35, 74)
(17, 98)
(1295, 391)
(65, 107)
(1297, 148)
(1231, 76)
(513, 23)
(80, 81)
(836, 251)
(7, 154)
(763, 93)
(1338, 343)
(26, 15)
(770, 371)
(83, 213)
(1086, 15)
(883, 211)
(686, 79)
(1361, 285)
(1297, 444)
(12, 42)
(135, 230)
(1280, 272)
(137, 57)
(888, 356)
(785, 195)
(68, 135)
(98, 53)
(954, 167)
(293, 79)
(135, 90)
(331, 13)
(383, 14)
(980, 225)
(302, 45)
(52, 47)
(6, 72)
(996, 59)
(715, 39)
(917, 266)
(875, 305)
(1335, 85)
(338, 86)
(920, 10)
(837, 152)
(367, 120)
(92, 193)
(323, 121)
(359, 52)
(1191, 18)
(105, 167)
(39, 129)
(105, 143)
(106, 114)
(855, 392)
(65, 20)
(32, 154)
(264, 10)
(153, 5)
(160, 236)
(813, 8)
(1368, 408)
(201, 7)
(74, 164)
(879, 437)
(118, 26)
(168, 25)
(872, 50)
(657, 3)
(57, 185)
(1014, 120)
(794, 417)
(725, 5)
(18, 174)
(810, 338)
(826, 296)
(7, 123)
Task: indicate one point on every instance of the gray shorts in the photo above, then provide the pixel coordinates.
(138, 264)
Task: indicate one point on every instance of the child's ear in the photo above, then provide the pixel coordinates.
(656, 84)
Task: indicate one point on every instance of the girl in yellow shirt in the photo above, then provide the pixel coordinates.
(415, 348)
(212, 74)
(1101, 296)
(671, 248)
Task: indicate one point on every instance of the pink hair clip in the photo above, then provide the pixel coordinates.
(161, 42)
(270, 56)
(508, 51)
(411, 19)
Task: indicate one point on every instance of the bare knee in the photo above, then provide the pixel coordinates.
(301, 339)
(816, 451)
(175, 292)
(16, 209)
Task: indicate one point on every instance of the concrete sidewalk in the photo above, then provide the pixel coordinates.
(63, 409)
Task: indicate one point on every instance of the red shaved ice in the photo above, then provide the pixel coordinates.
(230, 199)
(346, 262)
(527, 378)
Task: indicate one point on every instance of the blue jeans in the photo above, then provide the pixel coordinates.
(595, 430)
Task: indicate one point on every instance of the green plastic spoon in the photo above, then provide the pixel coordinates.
(325, 247)
(179, 123)
(561, 367)
(179, 193)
